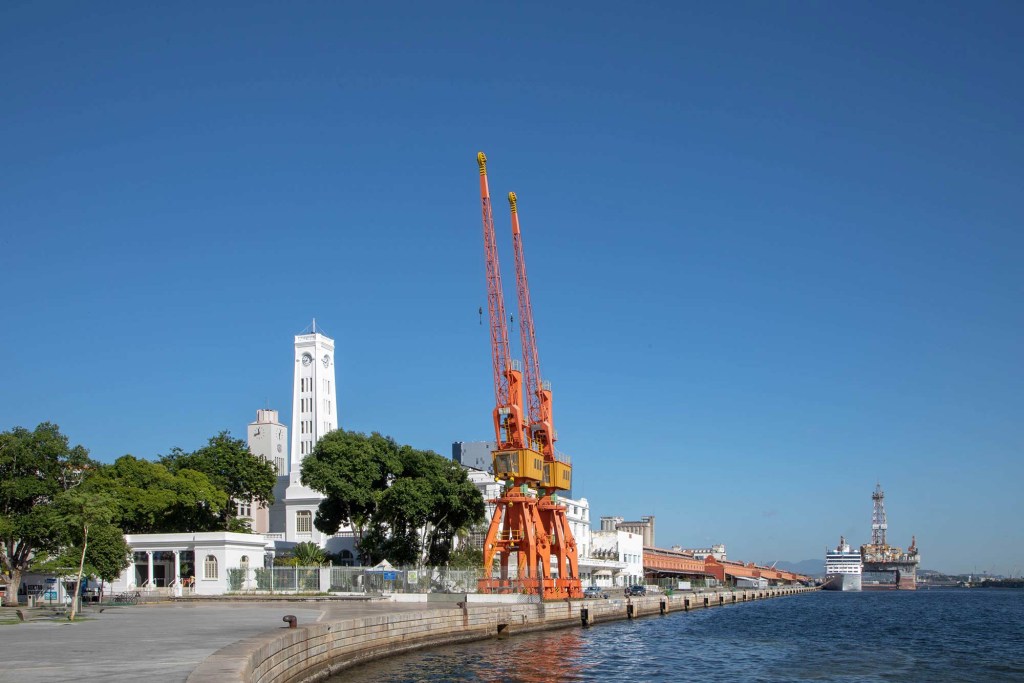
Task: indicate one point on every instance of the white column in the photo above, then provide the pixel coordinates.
(177, 573)
(149, 557)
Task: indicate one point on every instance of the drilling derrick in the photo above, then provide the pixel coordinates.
(524, 525)
(878, 523)
(878, 557)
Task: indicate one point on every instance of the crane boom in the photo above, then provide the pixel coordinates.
(508, 420)
(538, 393)
(528, 524)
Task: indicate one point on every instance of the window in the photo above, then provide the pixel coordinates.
(244, 562)
(244, 509)
(210, 567)
(303, 522)
(279, 462)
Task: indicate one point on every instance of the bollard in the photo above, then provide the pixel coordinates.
(663, 607)
(585, 617)
(291, 621)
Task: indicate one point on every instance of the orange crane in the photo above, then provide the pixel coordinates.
(508, 378)
(526, 518)
(541, 429)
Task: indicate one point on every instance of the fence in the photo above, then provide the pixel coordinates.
(366, 580)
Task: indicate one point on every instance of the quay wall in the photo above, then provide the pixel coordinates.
(316, 651)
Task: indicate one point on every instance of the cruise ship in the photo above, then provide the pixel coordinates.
(842, 568)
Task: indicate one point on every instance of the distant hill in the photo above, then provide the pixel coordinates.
(805, 567)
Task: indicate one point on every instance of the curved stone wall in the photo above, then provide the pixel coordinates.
(315, 651)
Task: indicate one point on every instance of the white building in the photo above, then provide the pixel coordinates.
(314, 413)
(314, 394)
(616, 558)
(267, 438)
(199, 561)
(716, 551)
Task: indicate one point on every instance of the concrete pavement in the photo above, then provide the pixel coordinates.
(158, 642)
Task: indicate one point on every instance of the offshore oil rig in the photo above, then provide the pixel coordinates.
(880, 558)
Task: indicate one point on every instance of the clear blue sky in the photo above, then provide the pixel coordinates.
(775, 249)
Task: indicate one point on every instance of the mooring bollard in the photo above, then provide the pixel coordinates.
(291, 621)
(584, 617)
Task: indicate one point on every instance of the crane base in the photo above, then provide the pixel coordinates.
(534, 531)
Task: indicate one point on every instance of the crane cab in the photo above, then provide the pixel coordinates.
(519, 464)
(557, 475)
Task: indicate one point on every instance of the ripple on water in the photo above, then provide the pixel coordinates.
(928, 636)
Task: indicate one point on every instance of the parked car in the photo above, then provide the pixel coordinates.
(636, 590)
(594, 592)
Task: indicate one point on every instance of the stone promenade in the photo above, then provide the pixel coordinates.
(158, 642)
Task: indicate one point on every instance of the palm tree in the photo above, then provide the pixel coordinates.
(309, 555)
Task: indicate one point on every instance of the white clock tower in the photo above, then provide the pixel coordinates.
(314, 404)
(314, 413)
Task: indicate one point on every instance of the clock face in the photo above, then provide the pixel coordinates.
(327, 360)
(306, 359)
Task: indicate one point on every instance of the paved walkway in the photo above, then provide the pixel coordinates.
(158, 642)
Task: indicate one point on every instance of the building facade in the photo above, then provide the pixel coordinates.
(644, 527)
(474, 454)
(314, 394)
(267, 438)
(314, 414)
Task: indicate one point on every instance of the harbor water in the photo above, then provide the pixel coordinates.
(930, 635)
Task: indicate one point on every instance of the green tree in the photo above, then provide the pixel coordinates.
(354, 468)
(406, 504)
(106, 555)
(231, 467)
(149, 498)
(82, 510)
(466, 557)
(35, 468)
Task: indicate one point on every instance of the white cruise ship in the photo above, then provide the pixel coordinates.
(842, 568)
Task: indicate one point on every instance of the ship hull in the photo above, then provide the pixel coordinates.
(842, 582)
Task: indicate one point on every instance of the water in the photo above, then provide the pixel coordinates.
(928, 636)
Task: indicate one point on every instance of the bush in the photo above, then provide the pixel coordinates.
(236, 577)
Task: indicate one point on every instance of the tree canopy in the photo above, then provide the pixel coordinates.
(232, 468)
(36, 467)
(406, 504)
(148, 498)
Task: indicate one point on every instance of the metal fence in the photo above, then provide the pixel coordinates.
(366, 580)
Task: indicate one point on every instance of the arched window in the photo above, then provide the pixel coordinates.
(303, 522)
(210, 567)
(244, 562)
